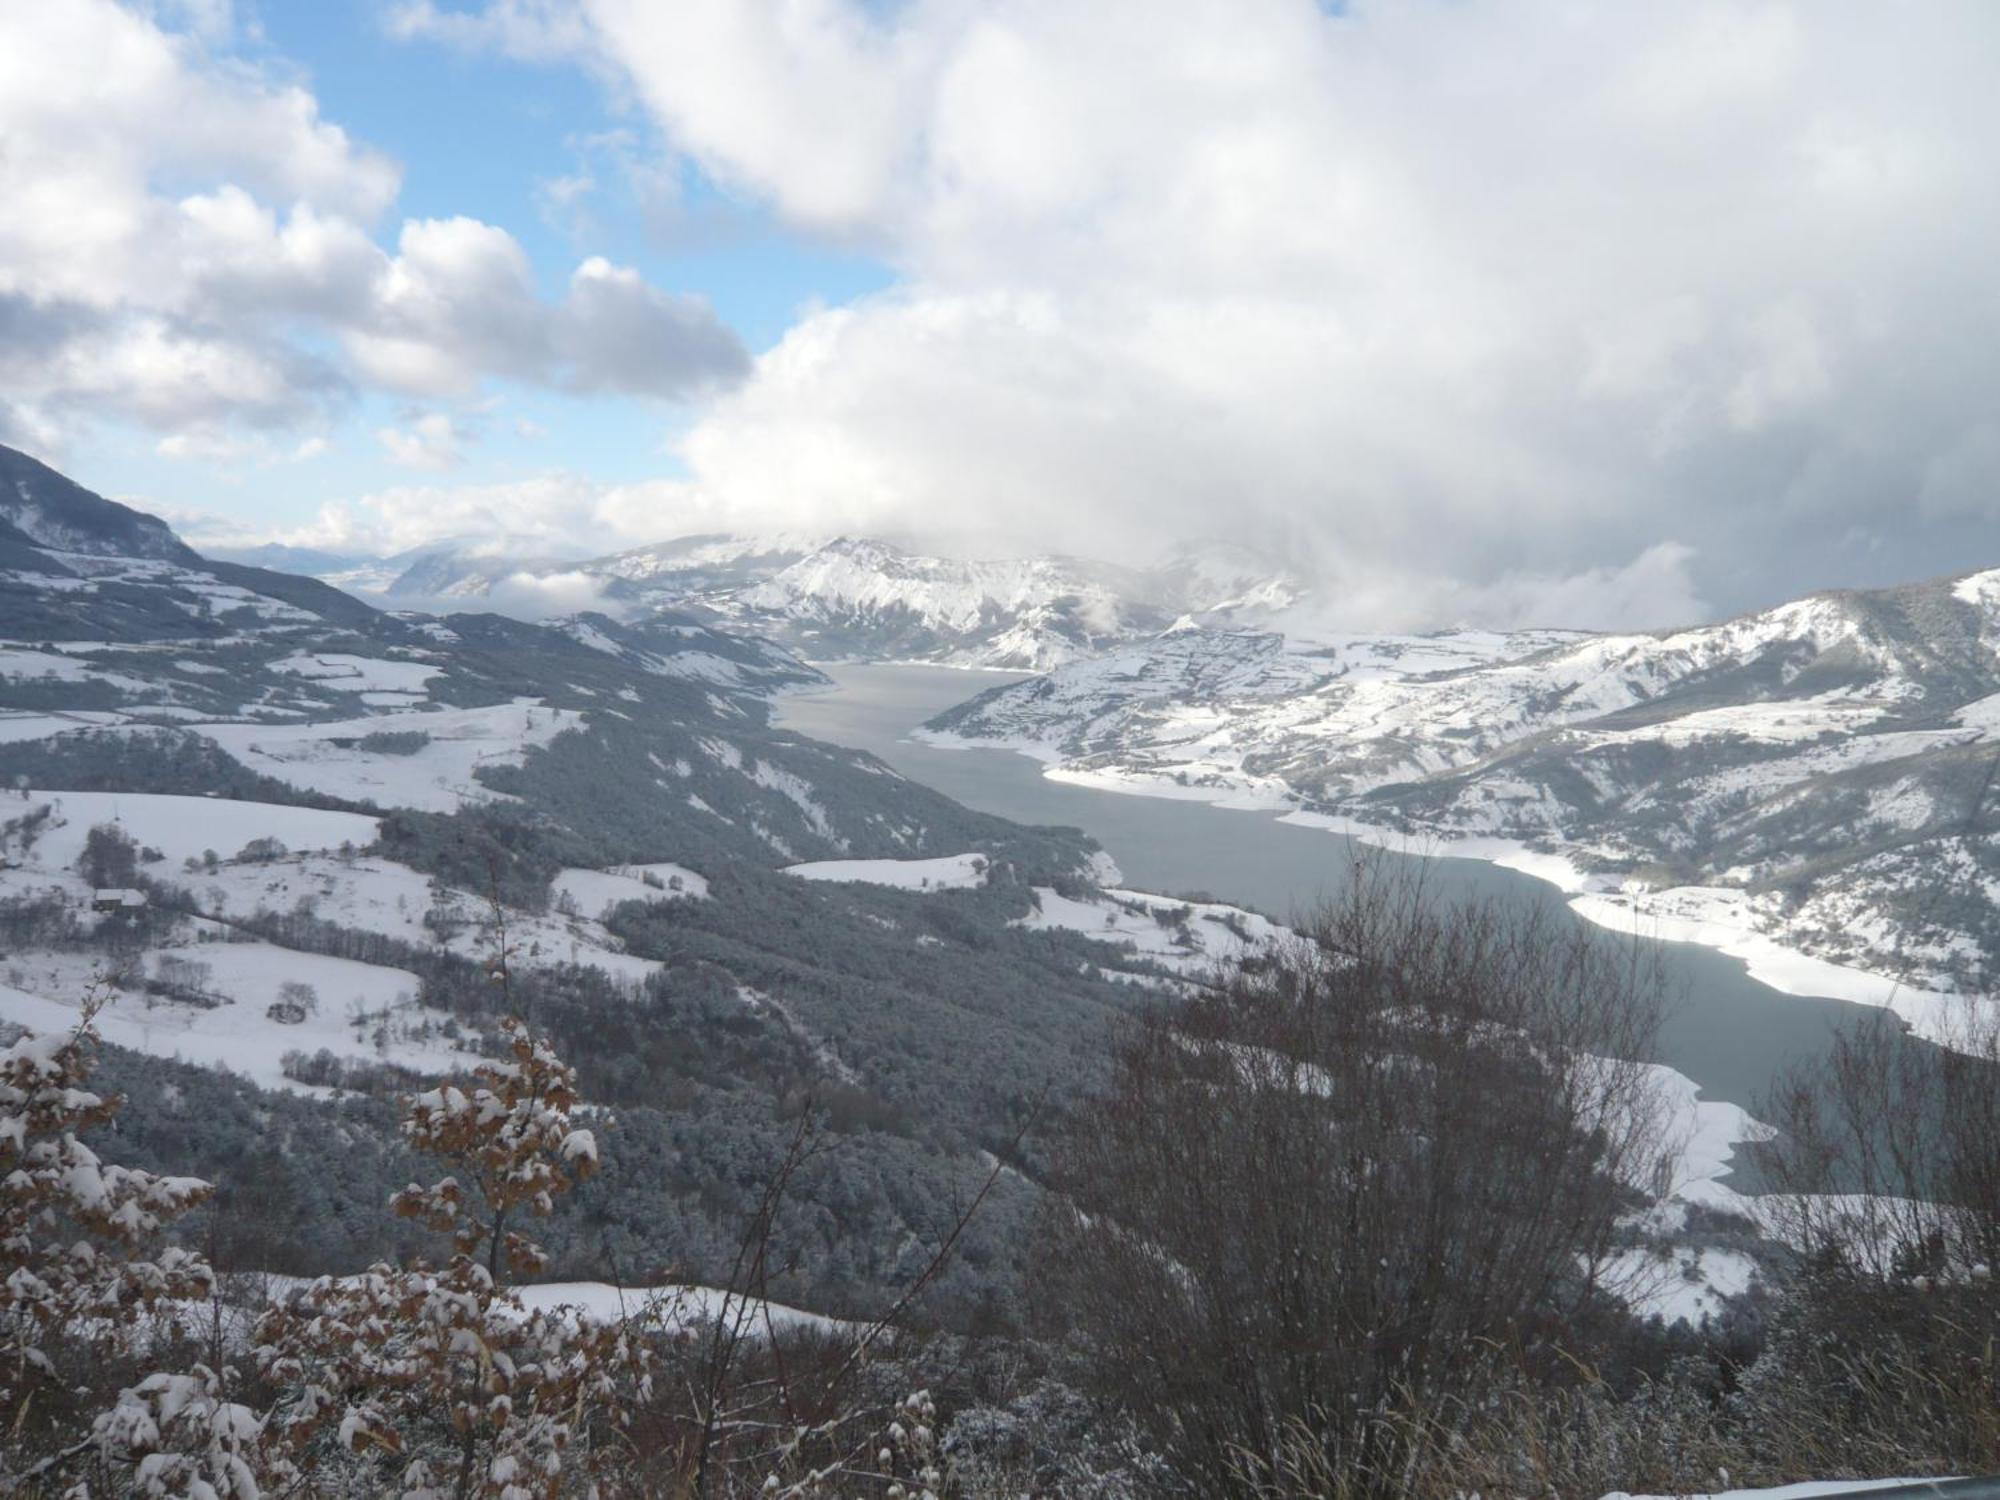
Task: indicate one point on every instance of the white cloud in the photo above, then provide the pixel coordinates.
(185, 235)
(1507, 295)
(534, 30)
(549, 514)
(225, 446)
(529, 596)
(430, 441)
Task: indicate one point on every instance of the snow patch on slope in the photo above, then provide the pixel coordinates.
(949, 873)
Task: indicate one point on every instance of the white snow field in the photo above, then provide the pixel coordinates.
(596, 892)
(379, 895)
(364, 1013)
(1195, 936)
(1701, 1136)
(327, 757)
(676, 1306)
(952, 872)
(1680, 1282)
(360, 674)
(182, 828)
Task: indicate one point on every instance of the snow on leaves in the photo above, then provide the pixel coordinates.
(75, 1274)
(443, 1380)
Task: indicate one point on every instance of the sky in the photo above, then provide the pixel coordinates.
(1490, 312)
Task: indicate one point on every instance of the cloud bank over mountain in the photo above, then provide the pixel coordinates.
(1485, 312)
(1462, 297)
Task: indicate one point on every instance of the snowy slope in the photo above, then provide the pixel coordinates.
(1818, 764)
(948, 873)
(863, 598)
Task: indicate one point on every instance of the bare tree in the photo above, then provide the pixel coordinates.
(1887, 1170)
(1889, 1161)
(1325, 1195)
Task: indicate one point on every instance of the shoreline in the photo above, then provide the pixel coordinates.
(1712, 917)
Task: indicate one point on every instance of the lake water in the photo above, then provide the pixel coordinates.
(1725, 1030)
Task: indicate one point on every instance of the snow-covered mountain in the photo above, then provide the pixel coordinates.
(43, 509)
(1817, 774)
(846, 598)
(287, 838)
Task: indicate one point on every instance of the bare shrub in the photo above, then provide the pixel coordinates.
(1354, 1184)
(1888, 1170)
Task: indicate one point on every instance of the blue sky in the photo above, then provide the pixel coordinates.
(479, 134)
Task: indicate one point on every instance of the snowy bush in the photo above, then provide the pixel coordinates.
(79, 1271)
(439, 1382)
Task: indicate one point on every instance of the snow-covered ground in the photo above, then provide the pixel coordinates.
(360, 1012)
(1193, 937)
(360, 674)
(949, 873)
(1679, 1282)
(329, 756)
(1719, 752)
(596, 892)
(674, 1306)
(1809, 1490)
(1700, 1138)
(671, 1306)
(181, 828)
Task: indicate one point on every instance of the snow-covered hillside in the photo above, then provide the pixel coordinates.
(846, 598)
(1813, 775)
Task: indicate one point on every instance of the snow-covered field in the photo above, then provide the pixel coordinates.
(675, 1306)
(1700, 1138)
(1192, 937)
(596, 892)
(372, 894)
(359, 1012)
(181, 828)
(1809, 1490)
(328, 756)
(949, 873)
(360, 674)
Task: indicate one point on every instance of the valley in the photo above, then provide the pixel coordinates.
(1726, 1030)
(302, 855)
(1806, 786)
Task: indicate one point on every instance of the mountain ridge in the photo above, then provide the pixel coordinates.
(1808, 774)
(857, 597)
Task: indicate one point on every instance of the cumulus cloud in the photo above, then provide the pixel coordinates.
(547, 514)
(174, 243)
(1483, 298)
(430, 441)
(530, 596)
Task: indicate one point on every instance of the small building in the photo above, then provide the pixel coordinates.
(117, 899)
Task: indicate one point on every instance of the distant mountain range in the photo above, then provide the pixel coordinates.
(1818, 775)
(852, 598)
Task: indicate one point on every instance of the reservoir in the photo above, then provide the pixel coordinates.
(1728, 1032)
